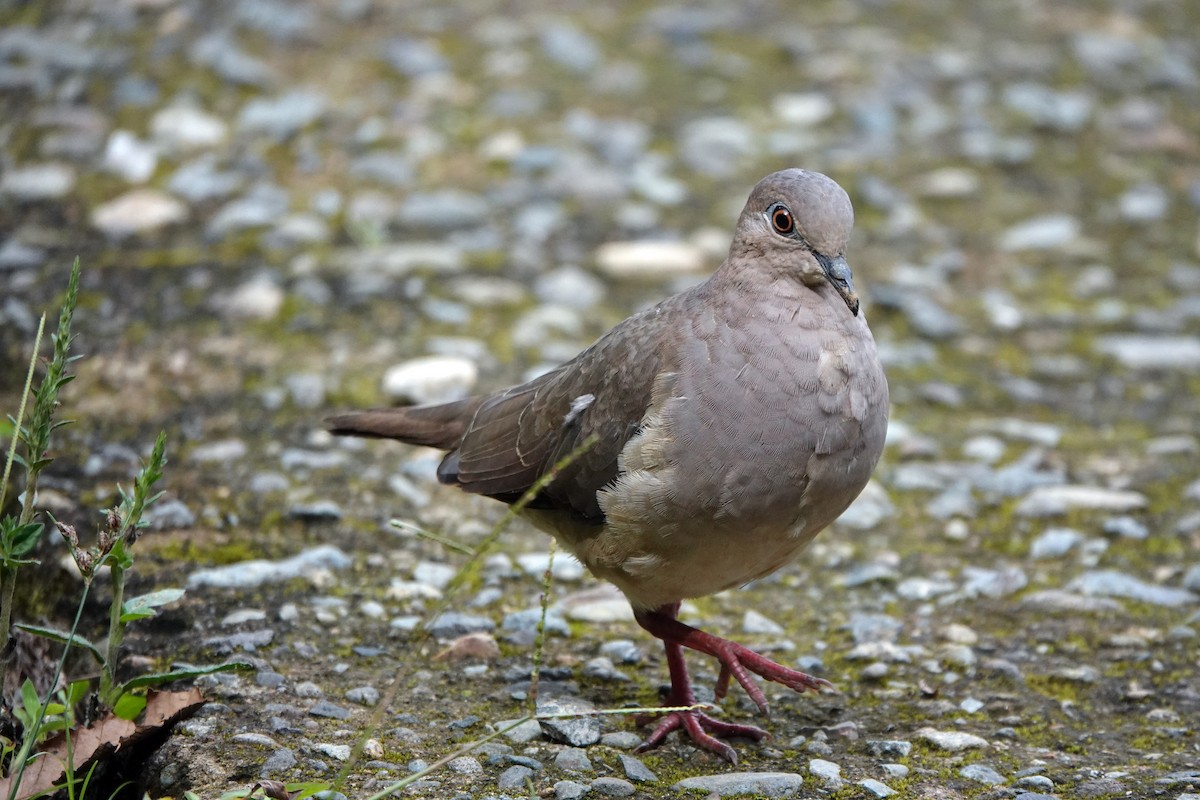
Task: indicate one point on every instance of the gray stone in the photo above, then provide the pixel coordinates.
(573, 760)
(612, 787)
(432, 379)
(578, 731)
(877, 788)
(567, 45)
(414, 58)
(452, 624)
(1066, 111)
(442, 210)
(635, 770)
(1057, 600)
(282, 116)
(465, 765)
(137, 212)
(1054, 543)
(514, 778)
(129, 157)
(248, 574)
(621, 740)
(528, 620)
(327, 710)
(363, 695)
(1126, 527)
(756, 623)
(277, 763)
(866, 628)
(570, 790)
(185, 128)
(1150, 352)
(219, 52)
(952, 741)
(982, 773)
(715, 146)
(519, 733)
(1110, 583)
(1049, 232)
(733, 784)
(827, 773)
(38, 182)
(993, 583)
(1048, 501)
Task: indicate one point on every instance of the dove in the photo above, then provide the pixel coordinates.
(727, 426)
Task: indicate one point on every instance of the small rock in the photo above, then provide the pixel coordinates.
(521, 733)
(363, 695)
(138, 211)
(952, 741)
(432, 379)
(1046, 501)
(186, 128)
(578, 731)
(889, 748)
(129, 157)
(479, 646)
(653, 260)
(1049, 232)
(982, 773)
(754, 622)
(570, 790)
(635, 770)
(1054, 543)
(328, 710)
(341, 752)
(732, 784)
(465, 765)
(453, 624)
(827, 772)
(565, 567)
(248, 574)
(612, 787)
(877, 788)
(574, 760)
(1109, 583)
(281, 116)
(514, 778)
(38, 182)
(1149, 352)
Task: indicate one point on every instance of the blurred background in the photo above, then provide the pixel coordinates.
(279, 205)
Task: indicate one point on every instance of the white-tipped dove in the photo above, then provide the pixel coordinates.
(733, 422)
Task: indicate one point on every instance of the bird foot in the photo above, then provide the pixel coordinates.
(699, 727)
(738, 661)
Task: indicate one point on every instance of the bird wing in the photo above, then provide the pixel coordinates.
(519, 434)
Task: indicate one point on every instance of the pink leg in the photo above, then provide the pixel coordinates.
(698, 725)
(736, 661)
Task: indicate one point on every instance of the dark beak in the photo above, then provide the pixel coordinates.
(838, 273)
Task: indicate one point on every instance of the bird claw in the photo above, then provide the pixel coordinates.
(698, 727)
(738, 662)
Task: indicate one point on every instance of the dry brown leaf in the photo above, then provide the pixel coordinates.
(272, 789)
(101, 740)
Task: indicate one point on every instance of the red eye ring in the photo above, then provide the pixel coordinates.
(781, 220)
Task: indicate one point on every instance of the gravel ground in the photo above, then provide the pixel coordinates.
(285, 209)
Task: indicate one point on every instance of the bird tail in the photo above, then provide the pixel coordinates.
(441, 426)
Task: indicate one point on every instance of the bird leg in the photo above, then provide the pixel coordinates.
(698, 725)
(736, 661)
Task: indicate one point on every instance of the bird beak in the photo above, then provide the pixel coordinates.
(838, 273)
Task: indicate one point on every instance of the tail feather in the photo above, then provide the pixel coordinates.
(441, 426)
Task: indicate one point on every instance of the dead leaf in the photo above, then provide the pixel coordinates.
(275, 790)
(107, 737)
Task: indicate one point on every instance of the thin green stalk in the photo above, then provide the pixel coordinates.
(20, 419)
(540, 641)
(29, 737)
(8, 572)
(116, 635)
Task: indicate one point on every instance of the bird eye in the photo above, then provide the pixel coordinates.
(781, 220)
